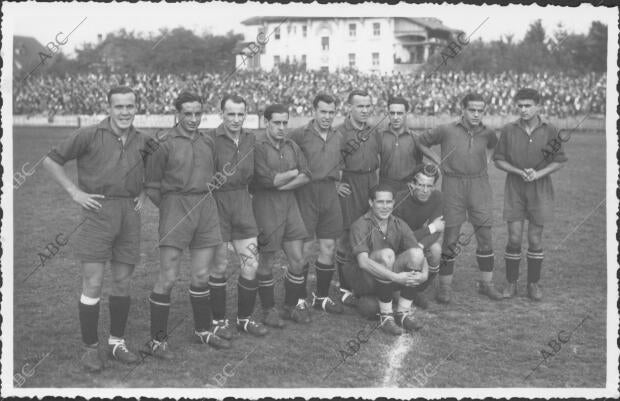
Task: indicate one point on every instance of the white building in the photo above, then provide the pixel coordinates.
(382, 44)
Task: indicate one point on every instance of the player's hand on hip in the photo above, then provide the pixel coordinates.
(343, 189)
(87, 201)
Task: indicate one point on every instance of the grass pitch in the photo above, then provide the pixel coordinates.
(471, 343)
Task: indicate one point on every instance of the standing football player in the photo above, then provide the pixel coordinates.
(318, 200)
(111, 170)
(466, 191)
(178, 182)
(234, 150)
(360, 157)
(387, 258)
(524, 152)
(279, 168)
(400, 149)
(421, 207)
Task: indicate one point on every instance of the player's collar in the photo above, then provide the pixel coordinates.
(479, 128)
(312, 127)
(220, 130)
(106, 125)
(348, 124)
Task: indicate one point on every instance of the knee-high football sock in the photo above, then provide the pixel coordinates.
(89, 319)
(119, 311)
(246, 295)
(199, 297)
(217, 291)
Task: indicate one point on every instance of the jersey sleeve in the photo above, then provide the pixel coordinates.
(492, 139)
(156, 165)
(360, 233)
(302, 162)
(501, 149)
(72, 147)
(559, 156)
(263, 174)
(408, 238)
(431, 137)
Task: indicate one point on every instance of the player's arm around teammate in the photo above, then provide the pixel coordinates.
(466, 191)
(318, 200)
(387, 258)
(178, 178)
(234, 148)
(110, 167)
(528, 194)
(279, 168)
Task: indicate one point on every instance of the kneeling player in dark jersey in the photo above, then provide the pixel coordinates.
(421, 207)
(387, 258)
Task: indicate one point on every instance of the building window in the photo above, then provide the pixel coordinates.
(304, 30)
(352, 60)
(375, 59)
(276, 60)
(276, 33)
(376, 29)
(325, 43)
(303, 59)
(352, 30)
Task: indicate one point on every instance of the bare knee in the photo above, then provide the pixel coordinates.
(416, 255)
(200, 278)
(167, 280)
(434, 253)
(386, 257)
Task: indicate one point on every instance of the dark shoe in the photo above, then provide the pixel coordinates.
(444, 293)
(272, 319)
(534, 292)
(159, 349)
(407, 321)
(347, 298)
(300, 313)
(420, 300)
(389, 326)
(252, 327)
(326, 304)
(90, 359)
(488, 289)
(510, 290)
(207, 337)
(118, 350)
(222, 329)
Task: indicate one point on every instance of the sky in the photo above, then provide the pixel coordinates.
(44, 20)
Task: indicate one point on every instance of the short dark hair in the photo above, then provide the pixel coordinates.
(234, 98)
(398, 100)
(186, 97)
(382, 187)
(325, 98)
(472, 97)
(357, 92)
(429, 170)
(528, 94)
(273, 109)
(115, 90)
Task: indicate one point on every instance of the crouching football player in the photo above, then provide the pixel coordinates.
(178, 177)
(387, 258)
(420, 206)
(279, 168)
(110, 167)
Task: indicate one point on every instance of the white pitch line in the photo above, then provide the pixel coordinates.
(395, 360)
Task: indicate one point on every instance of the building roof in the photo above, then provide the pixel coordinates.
(26, 54)
(430, 23)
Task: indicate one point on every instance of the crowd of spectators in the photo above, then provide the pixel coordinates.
(429, 94)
